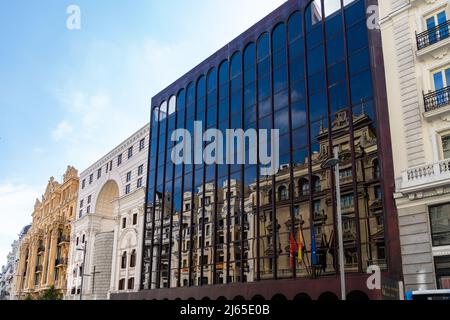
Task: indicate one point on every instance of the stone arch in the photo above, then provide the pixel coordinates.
(104, 205)
(357, 296)
(328, 297)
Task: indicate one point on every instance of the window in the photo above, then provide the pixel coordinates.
(89, 199)
(442, 267)
(142, 144)
(347, 202)
(91, 178)
(187, 207)
(80, 271)
(283, 193)
(316, 184)
(377, 193)
(124, 223)
(376, 170)
(81, 203)
(122, 284)
(440, 224)
(207, 201)
(141, 170)
(107, 167)
(436, 24)
(119, 159)
(99, 173)
(130, 152)
(348, 173)
(128, 189)
(124, 260)
(441, 79)
(88, 209)
(110, 165)
(133, 259)
(134, 219)
(83, 183)
(304, 187)
(446, 146)
(83, 238)
(78, 241)
(131, 284)
(129, 176)
(139, 183)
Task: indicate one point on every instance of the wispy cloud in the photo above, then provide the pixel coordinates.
(62, 130)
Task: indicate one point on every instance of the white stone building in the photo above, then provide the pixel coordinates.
(416, 46)
(8, 274)
(106, 238)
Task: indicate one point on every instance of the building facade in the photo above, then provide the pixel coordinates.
(416, 47)
(10, 270)
(311, 70)
(44, 249)
(107, 233)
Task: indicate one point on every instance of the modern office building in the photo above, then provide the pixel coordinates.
(416, 45)
(44, 249)
(314, 71)
(107, 233)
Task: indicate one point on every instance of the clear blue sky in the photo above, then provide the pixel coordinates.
(68, 97)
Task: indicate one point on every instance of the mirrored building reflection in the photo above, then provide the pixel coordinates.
(227, 230)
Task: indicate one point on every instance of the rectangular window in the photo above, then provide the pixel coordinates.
(81, 203)
(440, 224)
(437, 23)
(129, 176)
(141, 170)
(130, 152)
(91, 178)
(89, 199)
(99, 173)
(141, 144)
(124, 223)
(88, 209)
(83, 184)
(119, 159)
(139, 183)
(134, 219)
(110, 165)
(128, 189)
(442, 267)
(446, 147)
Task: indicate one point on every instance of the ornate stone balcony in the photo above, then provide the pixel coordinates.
(425, 176)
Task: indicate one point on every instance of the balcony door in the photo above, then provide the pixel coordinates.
(446, 146)
(438, 27)
(441, 85)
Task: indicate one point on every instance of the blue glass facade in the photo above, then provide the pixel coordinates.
(305, 70)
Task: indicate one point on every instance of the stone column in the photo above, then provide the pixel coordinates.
(52, 257)
(115, 262)
(45, 261)
(32, 257)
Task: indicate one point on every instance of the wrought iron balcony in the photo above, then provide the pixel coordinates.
(437, 99)
(432, 36)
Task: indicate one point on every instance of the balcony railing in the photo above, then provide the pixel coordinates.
(38, 269)
(437, 99)
(430, 173)
(432, 36)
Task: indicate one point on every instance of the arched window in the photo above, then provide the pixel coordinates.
(133, 259)
(124, 260)
(304, 187)
(283, 193)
